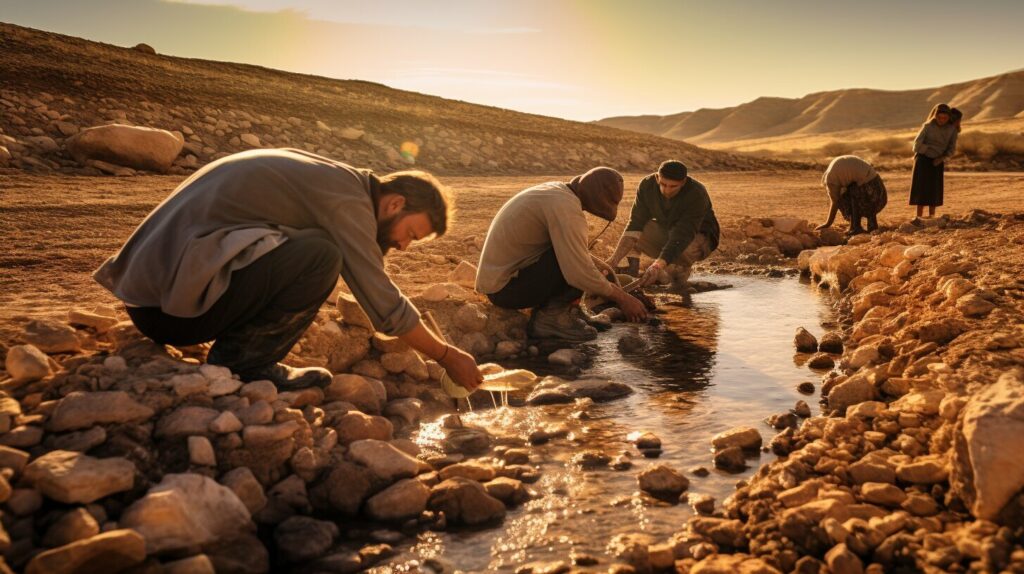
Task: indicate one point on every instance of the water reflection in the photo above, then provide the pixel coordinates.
(721, 361)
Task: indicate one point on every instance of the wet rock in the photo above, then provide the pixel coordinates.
(662, 480)
(782, 421)
(746, 438)
(243, 483)
(302, 538)
(51, 336)
(131, 146)
(74, 525)
(632, 343)
(112, 551)
(466, 441)
(566, 357)
(804, 341)
(465, 501)
(185, 511)
(590, 459)
(806, 388)
(405, 499)
(516, 456)
(821, 361)
(552, 390)
(384, 460)
(80, 410)
(832, 342)
(647, 440)
(26, 363)
(408, 410)
(72, 477)
(508, 490)
(802, 409)
(730, 458)
(472, 470)
(621, 462)
(987, 469)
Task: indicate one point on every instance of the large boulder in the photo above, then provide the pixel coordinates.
(301, 538)
(72, 477)
(988, 470)
(133, 146)
(385, 461)
(185, 511)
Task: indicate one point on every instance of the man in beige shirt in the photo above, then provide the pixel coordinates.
(536, 255)
(246, 250)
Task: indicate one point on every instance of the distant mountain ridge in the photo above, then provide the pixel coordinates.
(992, 98)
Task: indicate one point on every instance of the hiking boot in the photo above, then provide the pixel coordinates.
(559, 323)
(599, 322)
(679, 278)
(287, 378)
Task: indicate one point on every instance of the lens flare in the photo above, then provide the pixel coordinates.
(409, 151)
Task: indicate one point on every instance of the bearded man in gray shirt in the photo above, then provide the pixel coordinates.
(246, 250)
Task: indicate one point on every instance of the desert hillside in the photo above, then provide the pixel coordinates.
(52, 86)
(995, 98)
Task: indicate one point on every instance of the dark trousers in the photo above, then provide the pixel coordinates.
(267, 307)
(540, 284)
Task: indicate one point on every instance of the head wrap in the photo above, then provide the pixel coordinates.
(600, 191)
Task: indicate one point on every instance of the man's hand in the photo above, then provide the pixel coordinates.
(462, 368)
(632, 308)
(650, 276)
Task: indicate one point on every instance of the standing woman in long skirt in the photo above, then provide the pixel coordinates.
(935, 143)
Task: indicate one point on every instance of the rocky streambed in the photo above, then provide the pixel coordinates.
(120, 455)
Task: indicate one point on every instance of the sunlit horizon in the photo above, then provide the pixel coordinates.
(574, 59)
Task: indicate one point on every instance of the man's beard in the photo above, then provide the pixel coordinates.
(384, 229)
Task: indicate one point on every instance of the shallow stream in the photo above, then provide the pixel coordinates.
(727, 360)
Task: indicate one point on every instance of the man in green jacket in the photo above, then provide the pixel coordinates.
(671, 221)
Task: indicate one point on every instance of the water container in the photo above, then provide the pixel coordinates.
(453, 389)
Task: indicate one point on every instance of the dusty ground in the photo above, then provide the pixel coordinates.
(58, 229)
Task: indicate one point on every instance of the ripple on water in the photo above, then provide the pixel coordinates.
(724, 361)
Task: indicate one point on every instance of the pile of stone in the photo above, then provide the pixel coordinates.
(773, 240)
(116, 453)
(914, 465)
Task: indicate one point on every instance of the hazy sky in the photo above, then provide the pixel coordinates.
(578, 59)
